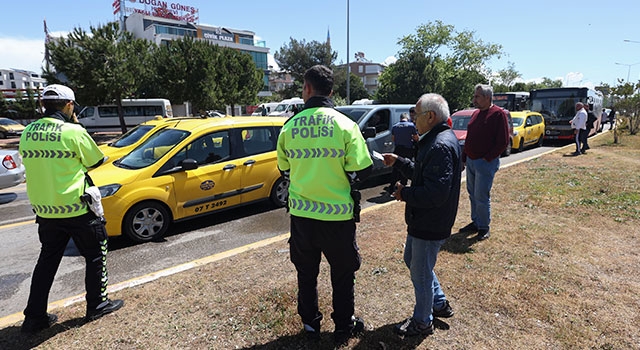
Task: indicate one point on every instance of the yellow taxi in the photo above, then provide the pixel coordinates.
(528, 129)
(10, 127)
(192, 168)
(128, 141)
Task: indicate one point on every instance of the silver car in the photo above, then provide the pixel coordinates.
(12, 169)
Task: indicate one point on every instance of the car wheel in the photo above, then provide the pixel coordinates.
(146, 221)
(541, 141)
(521, 145)
(3, 135)
(280, 192)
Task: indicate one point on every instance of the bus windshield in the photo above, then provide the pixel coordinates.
(555, 108)
(503, 101)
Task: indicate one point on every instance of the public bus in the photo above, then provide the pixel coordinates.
(135, 111)
(512, 101)
(558, 106)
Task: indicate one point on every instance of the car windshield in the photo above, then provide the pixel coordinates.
(460, 123)
(154, 148)
(354, 113)
(281, 107)
(132, 136)
(517, 122)
(8, 122)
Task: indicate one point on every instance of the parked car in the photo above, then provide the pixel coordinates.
(459, 122)
(528, 129)
(375, 122)
(192, 168)
(9, 127)
(12, 169)
(287, 107)
(462, 118)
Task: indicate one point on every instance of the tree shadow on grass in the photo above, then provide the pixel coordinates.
(12, 338)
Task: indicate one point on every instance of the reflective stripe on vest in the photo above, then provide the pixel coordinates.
(59, 209)
(315, 153)
(319, 207)
(47, 154)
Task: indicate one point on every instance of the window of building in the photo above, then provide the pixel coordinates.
(11, 76)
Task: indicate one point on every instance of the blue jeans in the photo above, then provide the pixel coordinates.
(420, 256)
(480, 175)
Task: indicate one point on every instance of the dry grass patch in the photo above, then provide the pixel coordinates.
(559, 272)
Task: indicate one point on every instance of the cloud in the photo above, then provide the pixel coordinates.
(27, 54)
(389, 60)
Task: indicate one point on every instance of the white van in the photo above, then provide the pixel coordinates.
(265, 108)
(288, 107)
(135, 111)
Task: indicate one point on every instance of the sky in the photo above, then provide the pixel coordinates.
(580, 42)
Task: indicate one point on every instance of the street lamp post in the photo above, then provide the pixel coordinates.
(348, 66)
(628, 67)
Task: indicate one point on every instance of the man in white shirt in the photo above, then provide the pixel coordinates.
(579, 124)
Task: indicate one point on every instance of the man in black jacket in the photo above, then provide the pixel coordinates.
(431, 208)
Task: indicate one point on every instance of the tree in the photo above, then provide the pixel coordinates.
(356, 86)
(437, 59)
(104, 66)
(508, 75)
(628, 103)
(298, 56)
(408, 78)
(185, 71)
(238, 78)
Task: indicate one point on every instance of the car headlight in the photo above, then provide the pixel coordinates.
(515, 132)
(109, 190)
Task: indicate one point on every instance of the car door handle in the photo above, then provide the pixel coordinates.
(229, 167)
(249, 162)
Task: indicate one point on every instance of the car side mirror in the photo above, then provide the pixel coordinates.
(189, 164)
(368, 132)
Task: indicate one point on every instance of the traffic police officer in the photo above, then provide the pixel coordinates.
(56, 153)
(321, 149)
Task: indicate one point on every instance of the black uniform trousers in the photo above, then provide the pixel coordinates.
(90, 237)
(337, 241)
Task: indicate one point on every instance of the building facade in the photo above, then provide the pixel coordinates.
(163, 30)
(369, 72)
(14, 81)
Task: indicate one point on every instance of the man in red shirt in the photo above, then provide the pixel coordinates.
(487, 138)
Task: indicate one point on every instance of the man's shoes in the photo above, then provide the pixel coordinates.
(312, 334)
(445, 312)
(412, 327)
(341, 336)
(471, 228)
(34, 325)
(105, 308)
(576, 153)
(483, 234)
